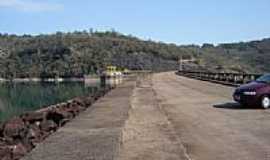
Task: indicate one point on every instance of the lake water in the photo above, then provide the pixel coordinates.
(18, 98)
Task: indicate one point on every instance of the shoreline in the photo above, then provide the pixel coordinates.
(21, 134)
(18, 80)
(94, 134)
(55, 80)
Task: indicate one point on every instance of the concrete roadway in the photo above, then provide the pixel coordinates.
(208, 123)
(163, 117)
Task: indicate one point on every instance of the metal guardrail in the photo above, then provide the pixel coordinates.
(232, 79)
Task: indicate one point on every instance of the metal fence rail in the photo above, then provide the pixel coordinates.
(232, 79)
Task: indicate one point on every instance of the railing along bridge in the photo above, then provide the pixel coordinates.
(232, 79)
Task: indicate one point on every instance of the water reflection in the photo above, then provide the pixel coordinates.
(17, 98)
(114, 81)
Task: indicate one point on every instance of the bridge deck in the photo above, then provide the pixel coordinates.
(164, 117)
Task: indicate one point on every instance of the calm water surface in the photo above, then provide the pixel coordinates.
(18, 98)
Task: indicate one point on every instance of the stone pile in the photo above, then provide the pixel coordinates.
(21, 134)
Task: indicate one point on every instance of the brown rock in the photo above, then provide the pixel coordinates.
(5, 153)
(55, 115)
(79, 101)
(28, 143)
(48, 126)
(15, 128)
(74, 109)
(18, 151)
(34, 116)
(34, 133)
(89, 101)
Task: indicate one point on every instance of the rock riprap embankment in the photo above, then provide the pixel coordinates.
(21, 134)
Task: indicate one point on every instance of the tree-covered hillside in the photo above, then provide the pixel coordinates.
(74, 54)
(249, 57)
(88, 52)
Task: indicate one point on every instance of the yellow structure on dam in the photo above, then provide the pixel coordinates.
(112, 72)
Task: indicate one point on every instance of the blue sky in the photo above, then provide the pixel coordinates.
(172, 21)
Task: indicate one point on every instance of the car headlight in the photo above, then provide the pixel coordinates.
(249, 93)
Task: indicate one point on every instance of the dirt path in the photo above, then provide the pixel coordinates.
(148, 135)
(210, 126)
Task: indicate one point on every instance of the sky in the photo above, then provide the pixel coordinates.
(170, 21)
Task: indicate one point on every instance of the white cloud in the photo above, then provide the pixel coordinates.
(30, 5)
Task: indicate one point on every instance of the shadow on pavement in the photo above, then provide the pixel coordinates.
(233, 105)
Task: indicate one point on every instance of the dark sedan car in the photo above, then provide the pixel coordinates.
(254, 93)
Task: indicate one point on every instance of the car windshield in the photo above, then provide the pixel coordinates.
(265, 79)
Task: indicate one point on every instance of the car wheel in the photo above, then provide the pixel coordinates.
(265, 102)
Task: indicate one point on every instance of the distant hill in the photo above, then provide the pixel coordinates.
(79, 53)
(250, 57)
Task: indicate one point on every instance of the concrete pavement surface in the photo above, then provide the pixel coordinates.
(209, 124)
(163, 117)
